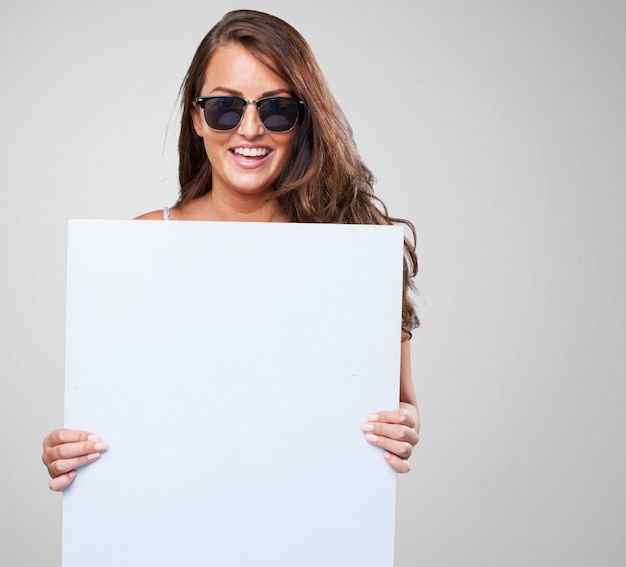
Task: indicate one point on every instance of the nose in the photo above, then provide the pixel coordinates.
(251, 125)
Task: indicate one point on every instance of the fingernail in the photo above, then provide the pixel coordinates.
(93, 456)
(367, 427)
(387, 455)
(100, 446)
(373, 417)
(371, 438)
(72, 474)
(93, 437)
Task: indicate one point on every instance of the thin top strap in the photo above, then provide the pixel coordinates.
(166, 213)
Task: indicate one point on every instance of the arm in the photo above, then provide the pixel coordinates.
(397, 431)
(65, 450)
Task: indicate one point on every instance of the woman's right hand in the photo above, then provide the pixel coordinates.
(65, 450)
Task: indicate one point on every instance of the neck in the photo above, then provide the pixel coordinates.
(218, 207)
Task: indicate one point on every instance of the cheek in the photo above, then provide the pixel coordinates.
(212, 143)
(286, 145)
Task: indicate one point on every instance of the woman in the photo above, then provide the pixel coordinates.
(262, 139)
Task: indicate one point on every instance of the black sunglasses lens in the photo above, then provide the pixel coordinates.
(223, 113)
(279, 114)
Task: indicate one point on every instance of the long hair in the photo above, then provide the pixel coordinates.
(325, 180)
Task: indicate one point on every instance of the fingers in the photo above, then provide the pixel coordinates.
(396, 432)
(404, 415)
(59, 436)
(65, 450)
(61, 466)
(398, 435)
(385, 440)
(400, 465)
(61, 482)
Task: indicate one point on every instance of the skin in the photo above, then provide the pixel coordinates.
(241, 189)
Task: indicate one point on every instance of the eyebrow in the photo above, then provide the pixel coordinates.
(240, 94)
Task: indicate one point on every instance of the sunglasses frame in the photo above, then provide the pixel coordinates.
(202, 100)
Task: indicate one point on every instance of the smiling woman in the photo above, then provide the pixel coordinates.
(262, 139)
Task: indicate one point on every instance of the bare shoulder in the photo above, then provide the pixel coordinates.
(153, 215)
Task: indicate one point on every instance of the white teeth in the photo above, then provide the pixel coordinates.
(251, 152)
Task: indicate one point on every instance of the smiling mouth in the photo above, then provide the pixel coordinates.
(251, 152)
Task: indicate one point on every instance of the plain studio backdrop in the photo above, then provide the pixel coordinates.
(497, 127)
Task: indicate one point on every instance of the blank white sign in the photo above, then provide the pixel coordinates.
(229, 366)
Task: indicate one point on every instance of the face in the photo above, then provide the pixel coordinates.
(248, 160)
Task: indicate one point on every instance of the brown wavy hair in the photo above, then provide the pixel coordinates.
(325, 180)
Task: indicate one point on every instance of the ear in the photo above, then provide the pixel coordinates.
(197, 115)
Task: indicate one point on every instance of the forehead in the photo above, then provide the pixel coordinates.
(233, 68)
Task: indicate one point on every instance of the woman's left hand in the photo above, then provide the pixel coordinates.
(396, 432)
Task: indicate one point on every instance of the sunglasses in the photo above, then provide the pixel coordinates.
(224, 113)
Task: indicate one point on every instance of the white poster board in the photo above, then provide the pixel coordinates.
(229, 366)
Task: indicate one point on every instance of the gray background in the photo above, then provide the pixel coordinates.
(507, 151)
